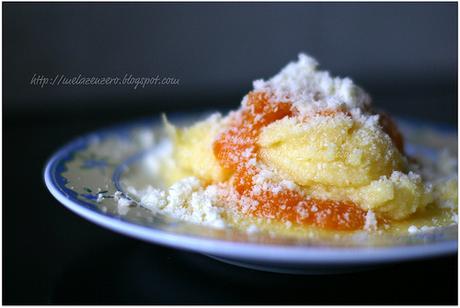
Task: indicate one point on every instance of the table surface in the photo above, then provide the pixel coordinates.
(50, 255)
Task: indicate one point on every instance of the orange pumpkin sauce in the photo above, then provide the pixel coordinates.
(237, 146)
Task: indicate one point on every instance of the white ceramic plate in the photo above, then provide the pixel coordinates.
(105, 161)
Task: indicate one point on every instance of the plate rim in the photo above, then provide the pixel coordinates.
(231, 249)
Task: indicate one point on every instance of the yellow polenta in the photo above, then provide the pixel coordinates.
(339, 158)
(330, 145)
(329, 150)
(193, 154)
(334, 158)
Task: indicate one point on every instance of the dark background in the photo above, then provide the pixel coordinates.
(404, 54)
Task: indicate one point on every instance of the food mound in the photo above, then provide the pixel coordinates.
(305, 150)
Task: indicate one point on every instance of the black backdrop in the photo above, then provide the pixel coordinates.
(404, 54)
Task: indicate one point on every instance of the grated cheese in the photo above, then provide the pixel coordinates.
(371, 221)
(311, 90)
(187, 200)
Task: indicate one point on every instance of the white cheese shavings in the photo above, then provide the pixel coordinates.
(310, 90)
(100, 197)
(187, 200)
(413, 229)
(117, 195)
(123, 205)
(371, 221)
